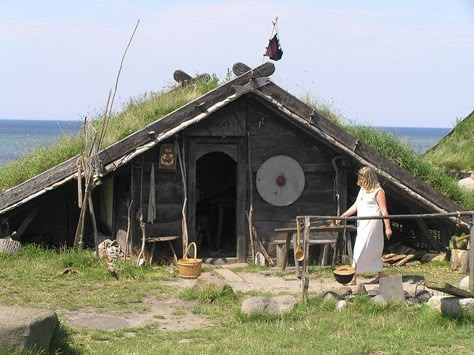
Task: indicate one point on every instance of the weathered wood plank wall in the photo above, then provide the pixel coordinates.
(269, 136)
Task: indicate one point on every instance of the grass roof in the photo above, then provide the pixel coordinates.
(142, 111)
(456, 150)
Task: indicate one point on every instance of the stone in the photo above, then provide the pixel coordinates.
(26, 329)
(380, 300)
(254, 305)
(330, 296)
(281, 304)
(273, 305)
(208, 280)
(340, 305)
(451, 306)
(371, 290)
(391, 288)
(459, 260)
(341, 291)
(467, 183)
(423, 296)
(229, 275)
(464, 284)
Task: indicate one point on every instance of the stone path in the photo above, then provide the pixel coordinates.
(171, 314)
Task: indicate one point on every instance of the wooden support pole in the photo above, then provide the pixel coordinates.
(94, 225)
(305, 273)
(250, 214)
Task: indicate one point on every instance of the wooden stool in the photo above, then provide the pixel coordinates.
(168, 239)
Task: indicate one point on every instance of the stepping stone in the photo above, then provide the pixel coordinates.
(391, 288)
(23, 329)
(229, 275)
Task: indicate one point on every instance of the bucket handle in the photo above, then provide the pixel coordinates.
(185, 256)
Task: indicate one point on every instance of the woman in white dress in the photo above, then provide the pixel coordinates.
(370, 201)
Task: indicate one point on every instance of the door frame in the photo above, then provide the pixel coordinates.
(234, 148)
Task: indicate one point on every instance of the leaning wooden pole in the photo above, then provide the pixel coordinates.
(94, 225)
(471, 255)
(250, 214)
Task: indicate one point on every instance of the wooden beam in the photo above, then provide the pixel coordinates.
(240, 68)
(26, 222)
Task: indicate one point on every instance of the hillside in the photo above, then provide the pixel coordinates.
(456, 150)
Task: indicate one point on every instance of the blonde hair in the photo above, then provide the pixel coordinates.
(370, 182)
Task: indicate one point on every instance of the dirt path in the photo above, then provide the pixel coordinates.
(174, 314)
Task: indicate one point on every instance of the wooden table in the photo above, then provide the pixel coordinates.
(315, 239)
(310, 233)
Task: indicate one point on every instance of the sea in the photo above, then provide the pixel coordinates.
(19, 137)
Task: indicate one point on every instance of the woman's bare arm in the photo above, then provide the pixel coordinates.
(381, 200)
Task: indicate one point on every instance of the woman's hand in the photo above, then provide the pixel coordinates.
(388, 232)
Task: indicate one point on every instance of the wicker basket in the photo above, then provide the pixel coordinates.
(8, 245)
(190, 268)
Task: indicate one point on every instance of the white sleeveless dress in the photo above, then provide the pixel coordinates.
(368, 246)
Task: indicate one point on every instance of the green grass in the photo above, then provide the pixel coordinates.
(135, 115)
(456, 152)
(31, 277)
(311, 328)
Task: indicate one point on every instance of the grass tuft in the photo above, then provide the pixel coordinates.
(207, 294)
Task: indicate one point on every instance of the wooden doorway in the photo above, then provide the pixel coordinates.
(216, 196)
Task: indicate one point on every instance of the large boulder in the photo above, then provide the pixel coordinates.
(272, 305)
(23, 329)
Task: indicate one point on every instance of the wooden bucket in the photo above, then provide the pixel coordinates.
(190, 268)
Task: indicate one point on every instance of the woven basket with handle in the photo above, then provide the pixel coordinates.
(190, 268)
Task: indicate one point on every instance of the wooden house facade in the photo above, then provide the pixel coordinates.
(247, 145)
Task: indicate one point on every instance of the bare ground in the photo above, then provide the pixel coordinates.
(173, 314)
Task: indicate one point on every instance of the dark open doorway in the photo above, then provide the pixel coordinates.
(216, 205)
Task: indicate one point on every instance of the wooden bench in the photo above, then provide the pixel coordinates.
(162, 232)
(155, 240)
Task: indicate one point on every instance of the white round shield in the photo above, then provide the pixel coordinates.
(280, 180)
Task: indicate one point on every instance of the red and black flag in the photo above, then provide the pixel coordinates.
(274, 51)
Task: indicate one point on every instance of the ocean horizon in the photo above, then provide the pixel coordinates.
(20, 137)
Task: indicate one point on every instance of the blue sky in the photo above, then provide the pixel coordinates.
(384, 63)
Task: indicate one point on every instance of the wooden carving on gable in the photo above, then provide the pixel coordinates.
(167, 157)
